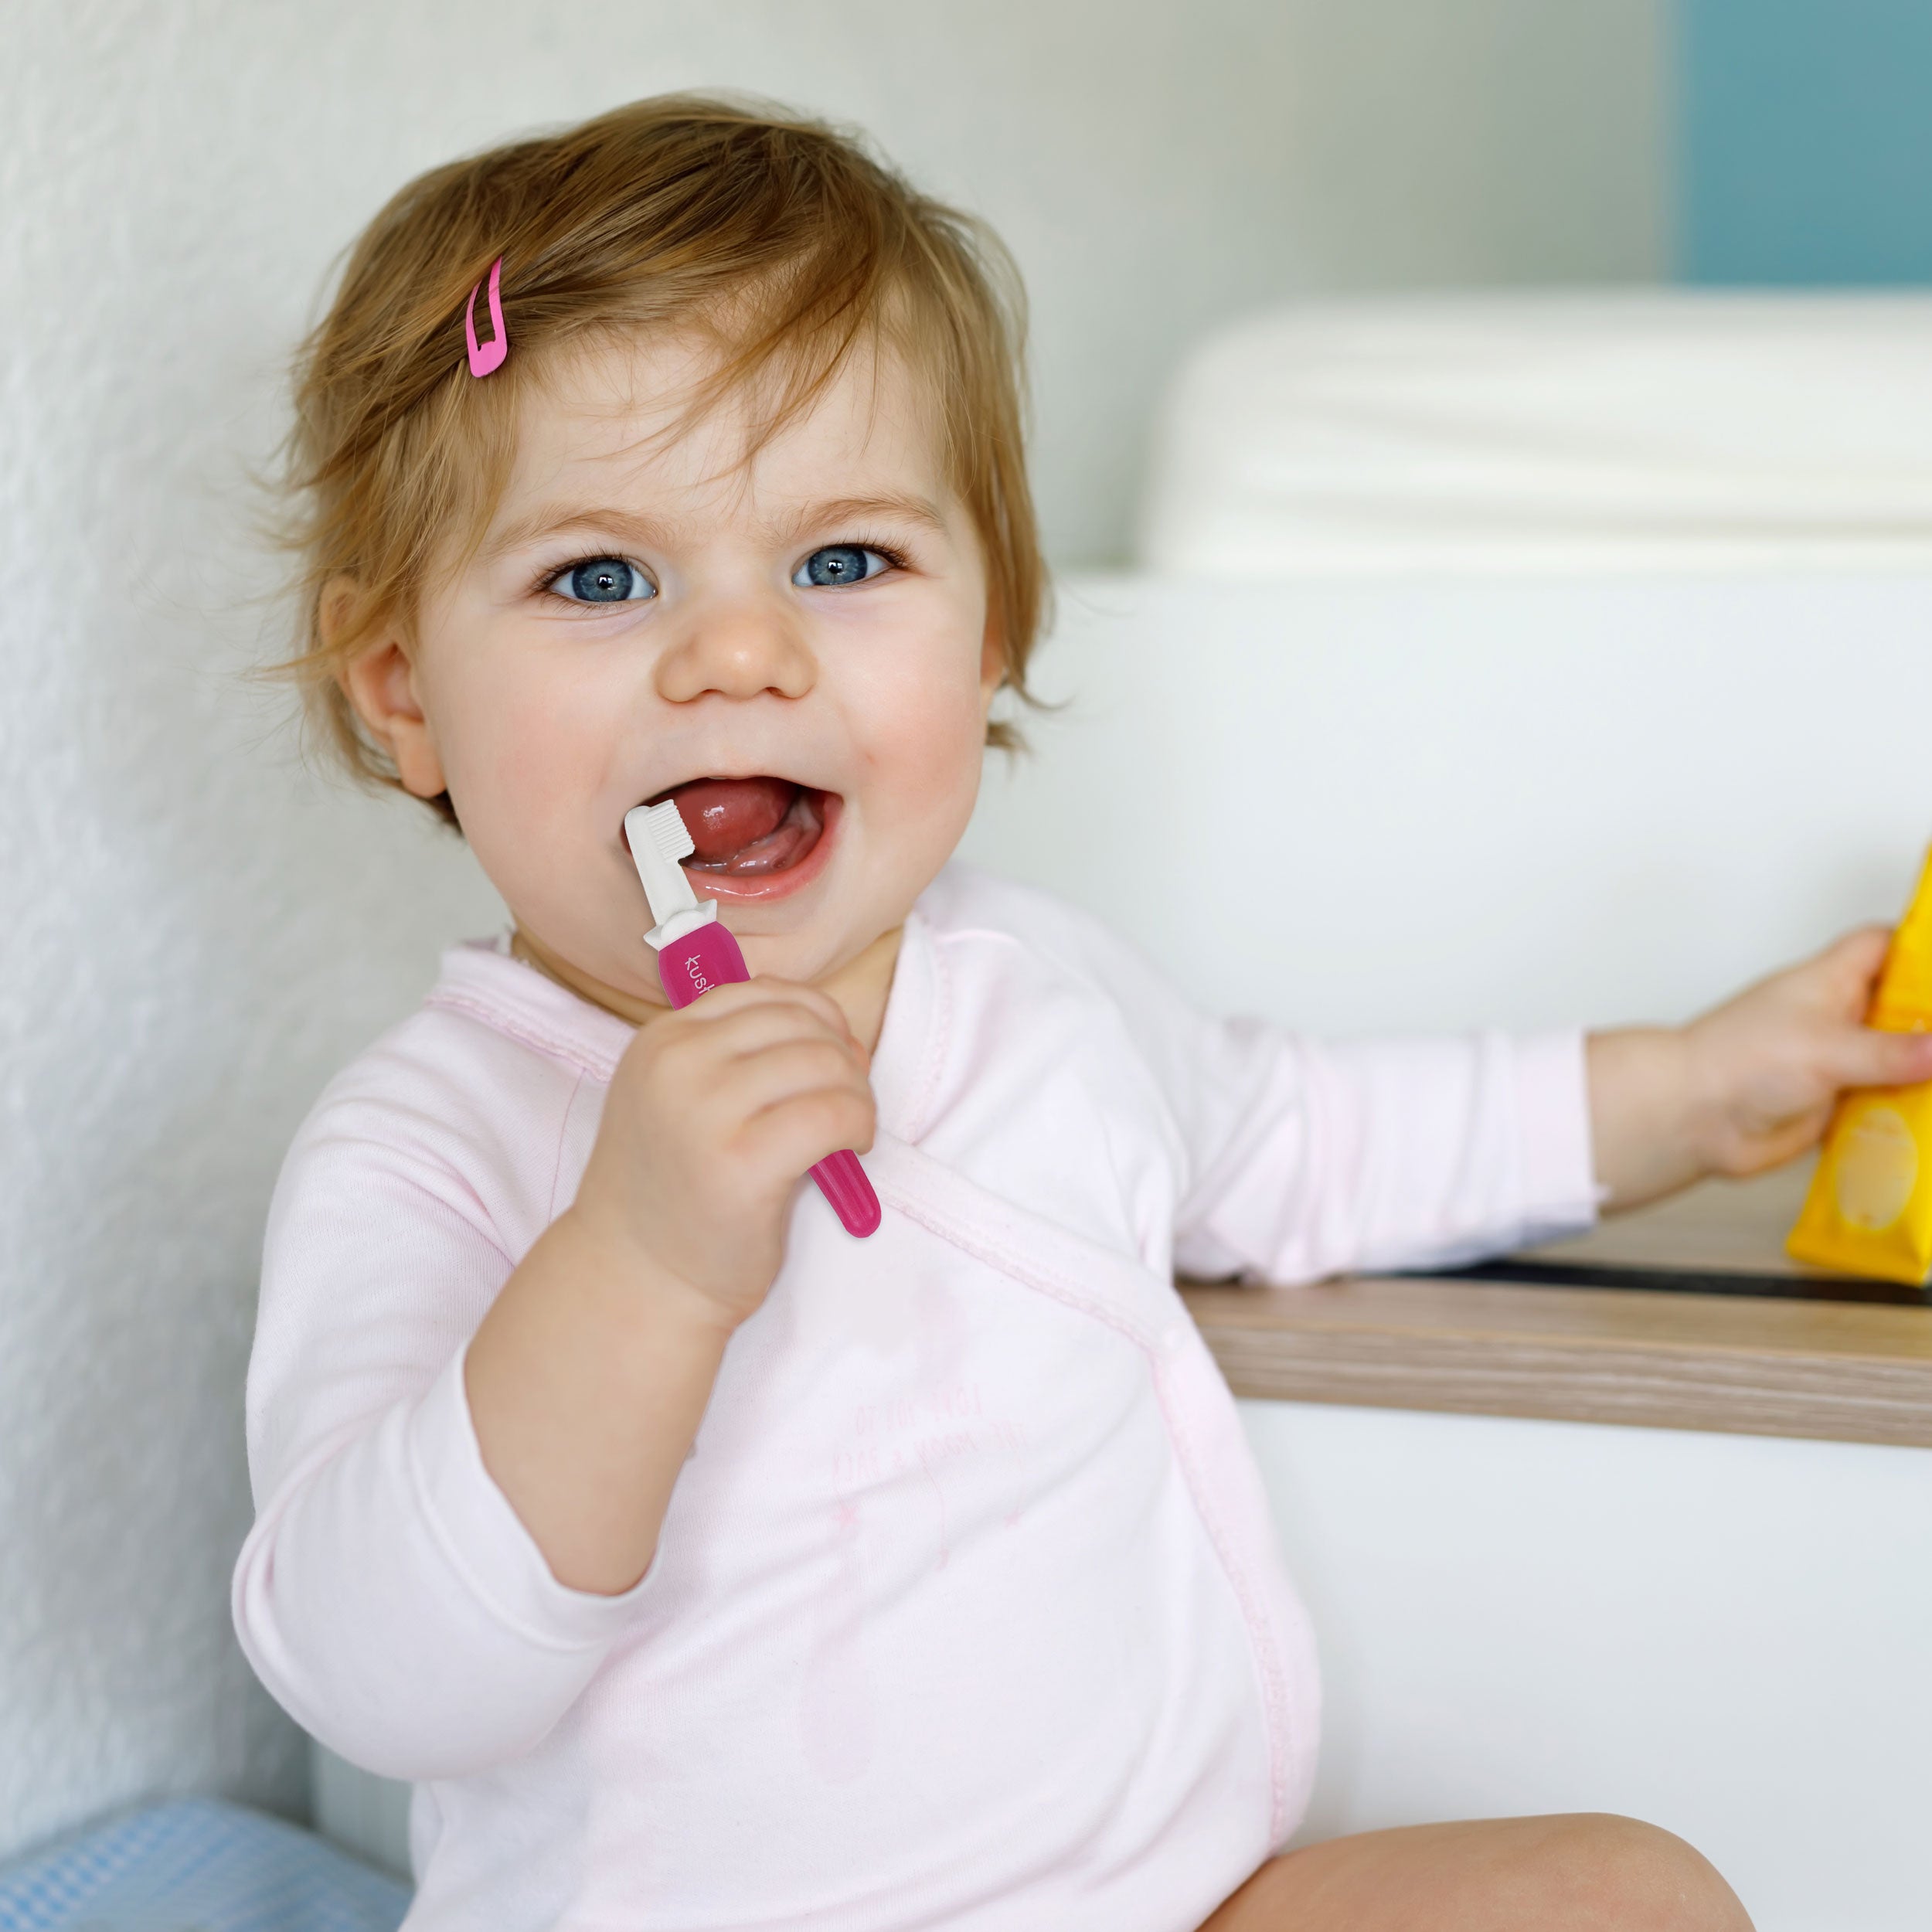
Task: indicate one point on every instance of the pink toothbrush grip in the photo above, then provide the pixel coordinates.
(708, 956)
(842, 1181)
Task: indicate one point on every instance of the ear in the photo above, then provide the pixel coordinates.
(380, 683)
(992, 662)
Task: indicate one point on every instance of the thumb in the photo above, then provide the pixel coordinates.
(1867, 1057)
(1852, 964)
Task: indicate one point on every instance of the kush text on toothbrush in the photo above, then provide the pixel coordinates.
(696, 952)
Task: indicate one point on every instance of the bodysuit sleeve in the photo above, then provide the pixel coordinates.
(388, 1596)
(1298, 1157)
(1308, 1158)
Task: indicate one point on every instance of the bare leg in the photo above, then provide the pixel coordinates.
(1583, 1873)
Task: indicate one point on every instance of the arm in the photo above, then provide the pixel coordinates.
(1750, 1084)
(1406, 1154)
(1330, 1158)
(1292, 1159)
(445, 1533)
(589, 1375)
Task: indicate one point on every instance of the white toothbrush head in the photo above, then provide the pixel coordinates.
(666, 826)
(659, 838)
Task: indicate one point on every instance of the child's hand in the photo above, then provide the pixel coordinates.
(713, 1116)
(1751, 1083)
(589, 1375)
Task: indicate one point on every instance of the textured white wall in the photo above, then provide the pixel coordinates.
(196, 935)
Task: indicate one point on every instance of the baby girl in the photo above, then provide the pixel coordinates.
(704, 1566)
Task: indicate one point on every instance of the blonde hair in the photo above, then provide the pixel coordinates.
(780, 235)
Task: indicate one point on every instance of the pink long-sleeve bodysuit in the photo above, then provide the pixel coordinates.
(968, 1611)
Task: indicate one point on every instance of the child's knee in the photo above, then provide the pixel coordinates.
(1626, 1873)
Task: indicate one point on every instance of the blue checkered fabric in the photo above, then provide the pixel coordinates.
(197, 1865)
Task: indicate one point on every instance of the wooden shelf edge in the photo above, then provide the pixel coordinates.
(1570, 1377)
(1566, 1352)
(1578, 1318)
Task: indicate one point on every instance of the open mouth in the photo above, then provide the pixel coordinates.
(749, 828)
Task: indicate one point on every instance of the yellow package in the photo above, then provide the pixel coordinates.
(1869, 1211)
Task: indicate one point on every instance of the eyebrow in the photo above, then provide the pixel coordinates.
(845, 509)
(552, 519)
(548, 520)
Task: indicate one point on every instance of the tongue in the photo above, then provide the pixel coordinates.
(724, 815)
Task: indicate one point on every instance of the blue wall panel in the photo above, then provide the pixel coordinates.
(1804, 141)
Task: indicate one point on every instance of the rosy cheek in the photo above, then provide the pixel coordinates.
(530, 732)
(511, 768)
(929, 753)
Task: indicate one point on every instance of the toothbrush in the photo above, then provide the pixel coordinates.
(696, 953)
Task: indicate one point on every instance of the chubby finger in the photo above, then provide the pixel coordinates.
(753, 1028)
(1785, 1142)
(1853, 960)
(750, 1085)
(800, 1132)
(1863, 1056)
(723, 1002)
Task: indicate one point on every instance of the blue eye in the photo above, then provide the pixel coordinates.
(602, 579)
(839, 563)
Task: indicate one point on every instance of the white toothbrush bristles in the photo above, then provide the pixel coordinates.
(658, 839)
(668, 828)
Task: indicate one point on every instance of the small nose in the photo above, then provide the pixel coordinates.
(739, 649)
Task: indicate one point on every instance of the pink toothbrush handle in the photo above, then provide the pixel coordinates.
(842, 1181)
(708, 956)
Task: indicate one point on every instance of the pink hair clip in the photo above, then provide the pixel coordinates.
(486, 356)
